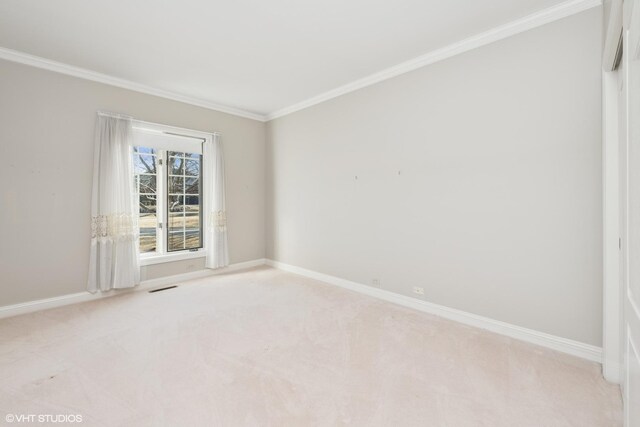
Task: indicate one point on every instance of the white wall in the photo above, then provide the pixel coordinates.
(46, 149)
(478, 178)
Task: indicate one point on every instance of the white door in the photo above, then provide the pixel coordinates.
(632, 289)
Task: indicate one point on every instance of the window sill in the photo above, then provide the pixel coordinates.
(159, 259)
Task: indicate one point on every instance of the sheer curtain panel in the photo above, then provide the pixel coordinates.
(213, 187)
(114, 230)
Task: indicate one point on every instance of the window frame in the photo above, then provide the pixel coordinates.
(167, 232)
(161, 254)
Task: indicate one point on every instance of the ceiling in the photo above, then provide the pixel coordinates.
(258, 56)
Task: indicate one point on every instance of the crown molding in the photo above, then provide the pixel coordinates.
(529, 22)
(545, 16)
(59, 67)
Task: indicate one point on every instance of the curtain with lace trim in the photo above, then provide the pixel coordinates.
(114, 229)
(214, 198)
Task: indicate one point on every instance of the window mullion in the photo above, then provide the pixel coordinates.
(161, 204)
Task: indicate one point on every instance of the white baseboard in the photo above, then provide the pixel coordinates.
(612, 371)
(170, 280)
(564, 345)
(44, 304)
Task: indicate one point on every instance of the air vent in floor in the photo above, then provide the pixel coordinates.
(162, 289)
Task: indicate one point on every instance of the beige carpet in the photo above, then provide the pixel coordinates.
(267, 348)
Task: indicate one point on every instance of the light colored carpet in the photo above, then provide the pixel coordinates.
(267, 348)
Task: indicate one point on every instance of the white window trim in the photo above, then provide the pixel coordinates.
(162, 257)
(154, 258)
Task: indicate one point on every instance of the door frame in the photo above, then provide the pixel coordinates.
(612, 328)
(621, 307)
(631, 303)
(612, 289)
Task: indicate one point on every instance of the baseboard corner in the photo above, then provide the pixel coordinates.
(62, 300)
(563, 345)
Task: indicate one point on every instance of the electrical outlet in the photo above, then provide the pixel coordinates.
(418, 290)
(375, 282)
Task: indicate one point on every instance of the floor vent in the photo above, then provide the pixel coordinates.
(162, 289)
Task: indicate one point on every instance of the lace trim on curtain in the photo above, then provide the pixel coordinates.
(114, 226)
(219, 220)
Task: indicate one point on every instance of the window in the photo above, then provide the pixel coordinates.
(145, 167)
(185, 210)
(168, 185)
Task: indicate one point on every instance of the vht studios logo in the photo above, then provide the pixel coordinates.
(43, 418)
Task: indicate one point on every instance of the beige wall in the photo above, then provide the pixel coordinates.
(606, 9)
(478, 178)
(46, 150)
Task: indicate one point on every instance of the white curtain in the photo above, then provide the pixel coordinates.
(216, 215)
(114, 228)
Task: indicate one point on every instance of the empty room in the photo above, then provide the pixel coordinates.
(306, 213)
